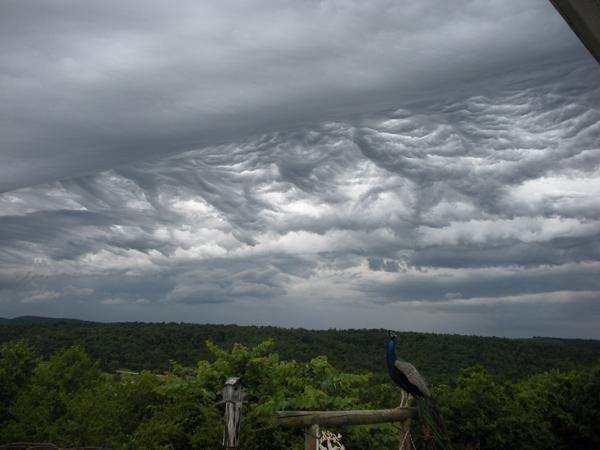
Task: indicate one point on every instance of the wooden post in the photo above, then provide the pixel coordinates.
(232, 397)
(405, 438)
(311, 437)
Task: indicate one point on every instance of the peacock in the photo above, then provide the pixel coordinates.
(405, 375)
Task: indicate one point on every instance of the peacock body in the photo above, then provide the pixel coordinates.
(405, 375)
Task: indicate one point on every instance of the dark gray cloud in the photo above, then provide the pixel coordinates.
(453, 207)
(387, 265)
(85, 88)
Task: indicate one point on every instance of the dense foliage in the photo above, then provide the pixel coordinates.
(553, 410)
(139, 346)
(68, 400)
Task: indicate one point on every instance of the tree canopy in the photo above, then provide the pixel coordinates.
(68, 400)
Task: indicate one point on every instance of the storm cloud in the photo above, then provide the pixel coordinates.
(345, 166)
(87, 87)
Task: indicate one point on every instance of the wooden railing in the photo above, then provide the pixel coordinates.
(309, 421)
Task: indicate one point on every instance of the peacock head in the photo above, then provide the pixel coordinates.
(391, 345)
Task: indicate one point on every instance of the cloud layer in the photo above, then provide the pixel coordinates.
(473, 212)
(86, 87)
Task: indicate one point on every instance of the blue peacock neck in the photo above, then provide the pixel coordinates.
(391, 352)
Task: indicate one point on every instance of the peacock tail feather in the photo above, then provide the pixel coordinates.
(433, 422)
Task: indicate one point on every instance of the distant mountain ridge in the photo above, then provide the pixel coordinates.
(152, 346)
(41, 319)
(574, 342)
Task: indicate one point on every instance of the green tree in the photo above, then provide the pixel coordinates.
(38, 411)
(191, 415)
(473, 409)
(17, 362)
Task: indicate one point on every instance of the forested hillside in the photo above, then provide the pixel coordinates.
(69, 401)
(151, 346)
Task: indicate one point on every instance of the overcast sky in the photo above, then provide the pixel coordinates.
(429, 166)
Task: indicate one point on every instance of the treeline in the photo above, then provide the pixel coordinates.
(151, 346)
(68, 400)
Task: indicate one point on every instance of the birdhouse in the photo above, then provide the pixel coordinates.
(233, 390)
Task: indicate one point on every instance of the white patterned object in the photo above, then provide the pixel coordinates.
(330, 441)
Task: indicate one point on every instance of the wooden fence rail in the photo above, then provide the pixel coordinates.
(299, 419)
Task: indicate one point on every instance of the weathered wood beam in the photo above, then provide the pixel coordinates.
(299, 419)
(583, 16)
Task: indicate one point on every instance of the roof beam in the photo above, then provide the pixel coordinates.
(583, 16)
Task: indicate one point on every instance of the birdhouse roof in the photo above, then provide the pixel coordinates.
(232, 381)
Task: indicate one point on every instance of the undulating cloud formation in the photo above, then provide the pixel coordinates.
(85, 86)
(467, 213)
(428, 166)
